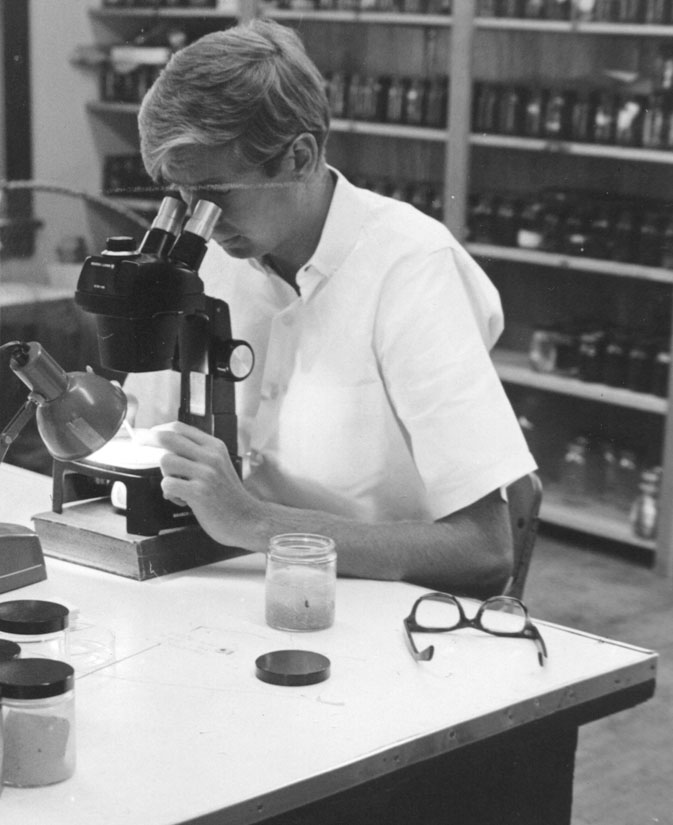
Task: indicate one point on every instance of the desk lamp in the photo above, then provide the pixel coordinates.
(76, 413)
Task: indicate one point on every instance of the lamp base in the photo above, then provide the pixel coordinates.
(92, 534)
(21, 558)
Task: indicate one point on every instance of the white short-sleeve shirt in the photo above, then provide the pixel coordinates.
(373, 394)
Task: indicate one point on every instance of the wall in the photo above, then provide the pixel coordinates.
(64, 151)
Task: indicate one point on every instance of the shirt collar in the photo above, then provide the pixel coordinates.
(342, 226)
(344, 220)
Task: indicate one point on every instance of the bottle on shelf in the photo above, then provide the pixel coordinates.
(626, 479)
(644, 515)
(574, 472)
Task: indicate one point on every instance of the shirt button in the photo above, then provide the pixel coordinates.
(270, 391)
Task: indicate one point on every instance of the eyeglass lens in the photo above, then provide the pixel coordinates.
(499, 616)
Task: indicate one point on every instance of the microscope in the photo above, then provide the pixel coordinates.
(151, 313)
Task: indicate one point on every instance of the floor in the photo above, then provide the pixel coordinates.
(624, 767)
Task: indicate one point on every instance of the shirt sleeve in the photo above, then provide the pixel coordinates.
(433, 347)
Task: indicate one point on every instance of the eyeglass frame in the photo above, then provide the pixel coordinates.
(530, 631)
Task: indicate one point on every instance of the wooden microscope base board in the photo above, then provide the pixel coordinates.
(92, 534)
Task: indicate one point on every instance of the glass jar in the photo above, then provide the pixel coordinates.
(40, 628)
(38, 722)
(300, 582)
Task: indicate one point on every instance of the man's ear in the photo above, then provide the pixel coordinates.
(305, 154)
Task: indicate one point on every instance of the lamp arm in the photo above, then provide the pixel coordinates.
(17, 423)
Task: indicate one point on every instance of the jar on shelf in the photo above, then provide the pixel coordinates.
(481, 218)
(591, 355)
(414, 102)
(667, 245)
(655, 121)
(534, 112)
(511, 110)
(584, 10)
(644, 514)
(530, 234)
(506, 223)
(574, 472)
(38, 722)
(487, 99)
(436, 102)
(552, 350)
(656, 12)
(629, 120)
(40, 628)
(605, 117)
(626, 479)
(609, 469)
(582, 117)
(661, 367)
(650, 239)
(616, 360)
(300, 582)
(624, 246)
(557, 113)
(639, 367)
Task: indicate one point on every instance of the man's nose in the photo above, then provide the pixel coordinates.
(189, 197)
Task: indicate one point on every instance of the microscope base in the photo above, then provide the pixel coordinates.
(92, 534)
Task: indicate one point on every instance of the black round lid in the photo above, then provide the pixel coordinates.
(8, 650)
(35, 678)
(30, 617)
(292, 667)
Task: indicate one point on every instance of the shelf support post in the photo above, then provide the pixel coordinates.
(457, 158)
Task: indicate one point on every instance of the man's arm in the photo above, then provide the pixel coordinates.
(467, 552)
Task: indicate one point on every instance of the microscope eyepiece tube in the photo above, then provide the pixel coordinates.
(190, 247)
(170, 215)
(203, 219)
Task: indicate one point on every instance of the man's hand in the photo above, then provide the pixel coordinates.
(198, 471)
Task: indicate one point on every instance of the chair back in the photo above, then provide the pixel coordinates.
(524, 497)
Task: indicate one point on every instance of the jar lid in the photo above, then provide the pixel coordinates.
(30, 617)
(8, 650)
(292, 668)
(35, 678)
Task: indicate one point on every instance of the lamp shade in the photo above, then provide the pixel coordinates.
(77, 412)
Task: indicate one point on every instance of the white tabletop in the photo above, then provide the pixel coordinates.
(179, 726)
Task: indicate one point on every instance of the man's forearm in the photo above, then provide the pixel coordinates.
(466, 553)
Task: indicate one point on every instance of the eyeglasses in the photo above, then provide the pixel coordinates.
(499, 615)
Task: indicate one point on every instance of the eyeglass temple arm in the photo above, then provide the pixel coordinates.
(541, 646)
(419, 655)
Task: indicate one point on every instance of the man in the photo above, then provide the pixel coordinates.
(374, 414)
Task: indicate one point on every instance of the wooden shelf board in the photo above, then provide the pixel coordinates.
(125, 12)
(595, 519)
(356, 16)
(574, 27)
(568, 147)
(393, 130)
(513, 367)
(557, 260)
